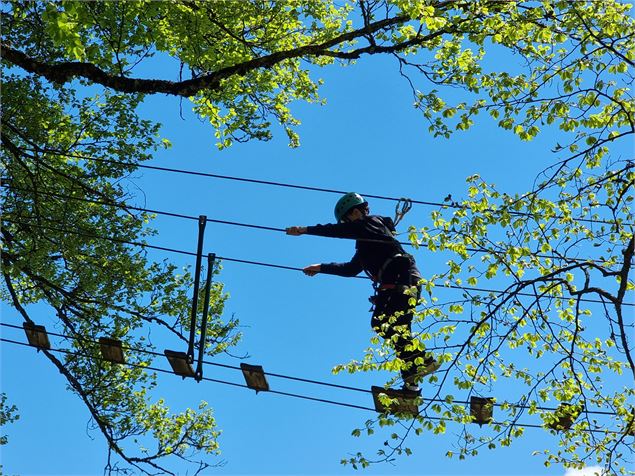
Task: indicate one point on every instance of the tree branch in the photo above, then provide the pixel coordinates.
(628, 256)
(64, 72)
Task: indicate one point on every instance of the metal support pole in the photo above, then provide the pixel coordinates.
(211, 257)
(202, 221)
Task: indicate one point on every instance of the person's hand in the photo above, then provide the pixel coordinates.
(312, 270)
(296, 230)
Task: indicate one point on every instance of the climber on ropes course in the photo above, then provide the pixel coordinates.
(393, 271)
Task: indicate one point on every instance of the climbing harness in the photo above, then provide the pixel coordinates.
(388, 288)
(389, 261)
(401, 288)
(378, 286)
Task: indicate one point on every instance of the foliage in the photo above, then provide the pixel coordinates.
(561, 253)
(70, 91)
(8, 414)
(57, 208)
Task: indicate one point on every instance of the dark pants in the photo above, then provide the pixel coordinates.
(388, 303)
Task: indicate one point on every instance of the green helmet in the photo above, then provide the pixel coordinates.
(345, 203)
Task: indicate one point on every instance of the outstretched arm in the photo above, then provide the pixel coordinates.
(348, 270)
(352, 268)
(332, 230)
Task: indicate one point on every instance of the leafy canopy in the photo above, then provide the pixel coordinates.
(74, 74)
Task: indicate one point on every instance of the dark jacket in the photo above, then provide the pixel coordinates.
(375, 246)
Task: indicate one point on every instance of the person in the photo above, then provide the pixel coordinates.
(394, 273)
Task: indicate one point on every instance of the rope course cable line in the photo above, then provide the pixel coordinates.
(288, 185)
(147, 210)
(224, 382)
(278, 266)
(260, 227)
(305, 380)
(299, 396)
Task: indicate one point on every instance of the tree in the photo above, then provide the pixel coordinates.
(7, 415)
(70, 92)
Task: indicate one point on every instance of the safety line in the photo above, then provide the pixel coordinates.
(257, 181)
(301, 187)
(300, 379)
(294, 395)
(124, 206)
(278, 266)
(260, 227)
(209, 220)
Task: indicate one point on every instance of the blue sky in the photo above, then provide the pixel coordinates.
(368, 138)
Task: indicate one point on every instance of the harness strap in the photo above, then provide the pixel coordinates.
(394, 287)
(388, 289)
(388, 262)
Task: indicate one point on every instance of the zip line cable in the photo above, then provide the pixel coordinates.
(294, 186)
(249, 225)
(301, 379)
(272, 265)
